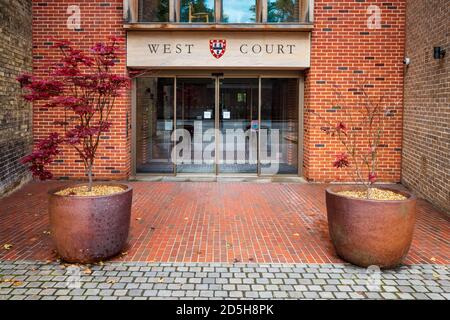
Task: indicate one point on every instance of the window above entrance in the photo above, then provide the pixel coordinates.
(218, 14)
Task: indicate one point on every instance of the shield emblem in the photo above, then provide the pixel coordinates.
(217, 47)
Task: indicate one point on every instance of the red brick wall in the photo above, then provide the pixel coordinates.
(426, 142)
(344, 52)
(99, 19)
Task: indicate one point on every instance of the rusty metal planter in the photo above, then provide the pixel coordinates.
(89, 229)
(370, 232)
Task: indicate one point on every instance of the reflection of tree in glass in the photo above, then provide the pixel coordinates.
(154, 11)
(198, 6)
(253, 11)
(282, 10)
(163, 11)
(279, 11)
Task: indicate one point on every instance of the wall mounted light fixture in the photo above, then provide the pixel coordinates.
(438, 53)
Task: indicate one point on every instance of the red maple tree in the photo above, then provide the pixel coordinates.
(359, 128)
(85, 87)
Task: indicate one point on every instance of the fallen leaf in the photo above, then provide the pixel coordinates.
(17, 283)
(433, 259)
(87, 271)
(123, 254)
(46, 232)
(236, 260)
(7, 246)
(296, 234)
(229, 245)
(111, 281)
(138, 219)
(161, 280)
(436, 275)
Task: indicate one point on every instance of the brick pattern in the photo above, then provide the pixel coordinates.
(15, 114)
(99, 20)
(345, 52)
(31, 280)
(214, 222)
(426, 143)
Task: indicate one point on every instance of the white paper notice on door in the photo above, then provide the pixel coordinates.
(207, 115)
(226, 114)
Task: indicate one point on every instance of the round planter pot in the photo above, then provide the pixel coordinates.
(370, 232)
(90, 229)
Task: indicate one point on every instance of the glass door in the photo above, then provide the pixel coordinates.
(279, 126)
(195, 122)
(238, 125)
(154, 125)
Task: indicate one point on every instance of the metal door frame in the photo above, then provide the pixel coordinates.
(246, 74)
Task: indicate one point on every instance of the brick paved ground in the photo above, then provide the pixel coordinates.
(214, 222)
(134, 280)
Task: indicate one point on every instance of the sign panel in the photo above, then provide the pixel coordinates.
(172, 49)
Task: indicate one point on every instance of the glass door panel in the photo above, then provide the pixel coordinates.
(238, 125)
(195, 149)
(154, 125)
(279, 126)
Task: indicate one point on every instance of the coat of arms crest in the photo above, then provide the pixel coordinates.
(217, 47)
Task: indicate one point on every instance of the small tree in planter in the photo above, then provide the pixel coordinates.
(368, 225)
(360, 129)
(83, 86)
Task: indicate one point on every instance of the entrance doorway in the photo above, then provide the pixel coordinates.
(217, 125)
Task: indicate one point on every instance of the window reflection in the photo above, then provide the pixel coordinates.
(154, 10)
(238, 11)
(231, 11)
(282, 10)
(192, 11)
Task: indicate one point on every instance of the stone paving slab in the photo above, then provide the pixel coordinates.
(34, 280)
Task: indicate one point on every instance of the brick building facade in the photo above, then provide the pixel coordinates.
(426, 143)
(15, 114)
(345, 51)
(99, 20)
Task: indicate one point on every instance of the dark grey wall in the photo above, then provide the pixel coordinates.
(15, 114)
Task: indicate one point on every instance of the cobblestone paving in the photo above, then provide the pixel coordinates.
(49, 281)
